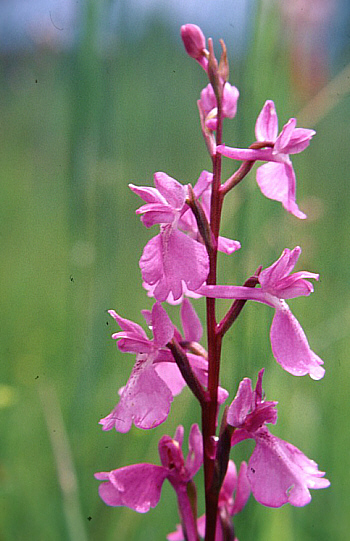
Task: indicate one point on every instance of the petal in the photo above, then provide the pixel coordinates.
(264, 154)
(195, 451)
(295, 285)
(277, 182)
(228, 246)
(156, 214)
(266, 127)
(229, 484)
(208, 99)
(171, 375)
(279, 473)
(138, 486)
(271, 276)
(243, 489)
(148, 194)
(171, 189)
(290, 346)
(170, 298)
(171, 258)
(131, 343)
(191, 323)
(203, 183)
(145, 401)
(241, 405)
(230, 98)
(283, 139)
(128, 325)
(163, 329)
(300, 139)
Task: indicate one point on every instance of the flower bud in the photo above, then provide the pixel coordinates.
(194, 42)
(193, 39)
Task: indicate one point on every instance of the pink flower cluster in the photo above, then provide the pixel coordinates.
(179, 262)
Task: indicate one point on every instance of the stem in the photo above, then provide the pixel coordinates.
(209, 410)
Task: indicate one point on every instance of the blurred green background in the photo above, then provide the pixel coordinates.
(77, 125)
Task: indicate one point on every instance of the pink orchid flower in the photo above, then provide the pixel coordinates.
(145, 400)
(155, 379)
(276, 179)
(234, 494)
(278, 472)
(139, 486)
(174, 263)
(288, 341)
(171, 259)
(207, 105)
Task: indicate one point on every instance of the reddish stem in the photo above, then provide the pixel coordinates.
(209, 409)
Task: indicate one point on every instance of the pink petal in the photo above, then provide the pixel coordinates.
(228, 246)
(128, 325)
(194, 458)
(162, 327)
(203, 183)
(156, 213)
(295, 285)
(131, 343)
(290, 346)
(271, 276)
(251, 154)
(171, 258)
(284, 137)
(148, 194)
(243, 490)
(266, 127)
(171, 375)
(300, 139)
(241, 404)
(171, 189)
(145, 401)
(229, 484)
(170, 298)
(208, 100)
(279, 473)
(191, 323)
(230, 98)
(138, 486)
(277, 182)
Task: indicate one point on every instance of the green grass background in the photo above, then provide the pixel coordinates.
(77, 127)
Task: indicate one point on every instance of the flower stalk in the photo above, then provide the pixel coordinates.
(180, 262)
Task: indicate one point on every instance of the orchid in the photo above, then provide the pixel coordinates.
(173, 263)
(171, 258)
(278, 472)
(145, 400)
(139, 486)
(288, 341)
(181, 261)
(207, 104)
(276, 179)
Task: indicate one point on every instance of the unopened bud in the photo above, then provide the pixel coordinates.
(194, 42)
